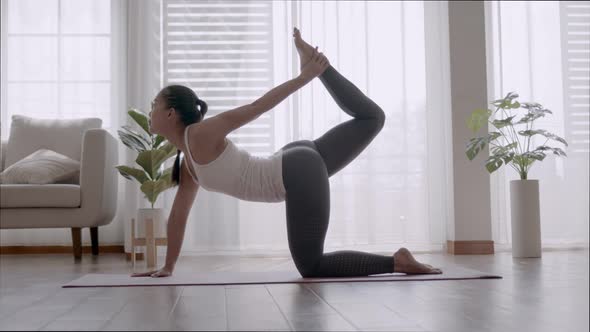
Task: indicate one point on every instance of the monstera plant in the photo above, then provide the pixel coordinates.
(153, 151)
(506, 147)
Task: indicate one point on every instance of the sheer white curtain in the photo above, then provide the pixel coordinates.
(143, 81)
(540, 50)
(396, 192)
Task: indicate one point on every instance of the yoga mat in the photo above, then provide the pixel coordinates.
(266, 277)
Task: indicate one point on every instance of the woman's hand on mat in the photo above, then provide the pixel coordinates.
(163, 272)
(315, 66)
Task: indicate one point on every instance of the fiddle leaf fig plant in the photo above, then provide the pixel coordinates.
(505, 143)
(153, 150)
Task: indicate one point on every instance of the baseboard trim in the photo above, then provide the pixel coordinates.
(22, 250)
(470, 247)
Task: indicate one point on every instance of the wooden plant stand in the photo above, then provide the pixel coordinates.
(148, 241)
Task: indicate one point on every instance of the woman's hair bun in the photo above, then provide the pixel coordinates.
(202, 107)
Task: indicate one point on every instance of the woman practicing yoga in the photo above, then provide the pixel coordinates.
(297, 174)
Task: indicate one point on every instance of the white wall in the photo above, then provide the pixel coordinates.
(471, 180)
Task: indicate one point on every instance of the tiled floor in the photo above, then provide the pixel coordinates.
(547, 294)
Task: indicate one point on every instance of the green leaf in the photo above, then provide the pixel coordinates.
(512, 145)
(504, 122)
(170, 150)
(166, 173)
(477, 144)
(493, 163)
(556, 151)
(542, 111)
(141, 119)
(474, 146)
(502, 156)
(522, 161)
(529, 117)
(499, 150)
(555, 137)
(493, 135)
(532, 132)
(533, 114)
(507, 157)
(515, 105)
(559, 152)
(531, 105)
(129, 173)
(543, 148)
(137, 135)
(159, 139)
(150, 161)
(506, 102)
(131, 141)
(537, 155)
(152, 189)
(478, 118)
(511, 95)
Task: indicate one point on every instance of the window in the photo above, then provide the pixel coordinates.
(223, 51)
(575, 37)
(56, 59)
(540, 50)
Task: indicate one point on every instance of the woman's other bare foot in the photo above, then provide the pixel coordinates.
(404, 262)
(303, 48)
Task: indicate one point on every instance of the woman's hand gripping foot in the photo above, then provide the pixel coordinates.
(304, 49)
(312, 62)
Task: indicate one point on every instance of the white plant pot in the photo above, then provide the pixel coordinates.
(157, 215)
(526, 218)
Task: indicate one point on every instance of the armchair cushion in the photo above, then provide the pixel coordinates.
(41, 167)
(63, 136)
(38, 196)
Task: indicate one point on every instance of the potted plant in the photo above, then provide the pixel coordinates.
(506, 149)
(153, 151)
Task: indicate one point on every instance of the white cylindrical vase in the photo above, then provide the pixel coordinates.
(526, 218)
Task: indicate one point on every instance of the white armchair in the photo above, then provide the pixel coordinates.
(90, 204)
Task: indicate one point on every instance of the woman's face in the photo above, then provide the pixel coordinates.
(157, 114)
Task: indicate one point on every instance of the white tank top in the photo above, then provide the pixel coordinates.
(237, 173)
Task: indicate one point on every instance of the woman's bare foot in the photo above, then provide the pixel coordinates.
(303, 48)
(404, 262)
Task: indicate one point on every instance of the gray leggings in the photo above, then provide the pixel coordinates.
(307, 165)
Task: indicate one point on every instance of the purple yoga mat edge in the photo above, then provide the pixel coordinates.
(302, 281)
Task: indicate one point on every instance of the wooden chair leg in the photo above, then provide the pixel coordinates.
(94, 239)
(77, 242)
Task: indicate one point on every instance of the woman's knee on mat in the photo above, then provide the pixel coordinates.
(306, 253)
(308, 270)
